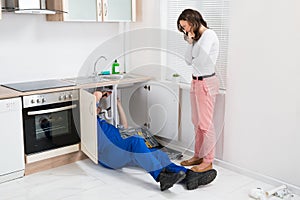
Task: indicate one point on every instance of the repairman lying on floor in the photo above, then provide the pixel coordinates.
(114, 152)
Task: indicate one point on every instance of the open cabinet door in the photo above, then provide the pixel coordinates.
(88, 125)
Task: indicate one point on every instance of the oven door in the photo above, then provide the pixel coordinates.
(51, 126)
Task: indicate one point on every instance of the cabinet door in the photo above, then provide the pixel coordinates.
(93, 10)
(118, 11)
(154, 105)
(80, 10)
(88, 125)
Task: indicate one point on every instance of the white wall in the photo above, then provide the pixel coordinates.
(145, 61)
(263, 92)
(35, 49)
(32, 48)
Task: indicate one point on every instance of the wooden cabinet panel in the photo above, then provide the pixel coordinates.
(55, 5)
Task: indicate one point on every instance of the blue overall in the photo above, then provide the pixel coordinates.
(114, 152)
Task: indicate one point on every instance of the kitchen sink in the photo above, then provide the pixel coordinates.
(112, 77)
(87, 80)
(101, 78)
(119, 76)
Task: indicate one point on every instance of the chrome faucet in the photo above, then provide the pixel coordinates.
(95, 65)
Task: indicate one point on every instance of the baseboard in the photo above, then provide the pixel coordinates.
(267, 179)
(31, 158)
(11, 176)
(53, 162)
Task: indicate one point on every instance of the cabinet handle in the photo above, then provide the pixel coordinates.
(100, 8)
(105, 9)
(147, 87)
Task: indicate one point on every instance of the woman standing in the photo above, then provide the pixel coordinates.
(202, 53)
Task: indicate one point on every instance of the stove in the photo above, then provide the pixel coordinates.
(38, 85)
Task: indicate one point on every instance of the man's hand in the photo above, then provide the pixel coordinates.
(98, 95)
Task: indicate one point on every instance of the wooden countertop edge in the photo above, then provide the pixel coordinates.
(6, 93)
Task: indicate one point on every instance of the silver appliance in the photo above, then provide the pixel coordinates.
(51, 120)
(30, 6)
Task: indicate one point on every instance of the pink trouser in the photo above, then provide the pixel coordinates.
(203, 96)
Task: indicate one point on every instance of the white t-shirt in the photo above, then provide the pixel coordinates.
(203, 54)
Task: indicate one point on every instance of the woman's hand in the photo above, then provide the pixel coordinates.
(189, 37)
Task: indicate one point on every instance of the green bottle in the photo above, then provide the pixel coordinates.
(115, 68)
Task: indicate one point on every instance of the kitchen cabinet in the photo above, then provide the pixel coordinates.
(144, 106)
(93, 10)
(116, 10)
(154, 105)
(11, 143)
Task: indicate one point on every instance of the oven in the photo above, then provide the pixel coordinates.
(50, 120)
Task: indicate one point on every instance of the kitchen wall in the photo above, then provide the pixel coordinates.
(144, 33)
(33, 49)
(262, 99)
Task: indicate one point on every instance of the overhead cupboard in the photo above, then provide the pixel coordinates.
(93, 10)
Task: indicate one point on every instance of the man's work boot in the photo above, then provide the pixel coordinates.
(168, 179)
(194, 179)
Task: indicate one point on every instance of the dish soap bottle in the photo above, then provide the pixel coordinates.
(115, 67)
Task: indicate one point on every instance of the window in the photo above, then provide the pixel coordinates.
(216, 14)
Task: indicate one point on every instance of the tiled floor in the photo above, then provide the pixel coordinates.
(84, 180)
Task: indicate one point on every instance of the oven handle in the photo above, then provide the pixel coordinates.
(40, 112)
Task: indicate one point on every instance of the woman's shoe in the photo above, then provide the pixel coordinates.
(202, 167)
(190, 163)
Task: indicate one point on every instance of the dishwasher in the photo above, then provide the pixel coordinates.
(11, 142)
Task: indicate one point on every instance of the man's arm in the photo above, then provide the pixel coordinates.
(123, 119)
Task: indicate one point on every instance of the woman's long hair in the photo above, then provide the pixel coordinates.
(195, 20)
